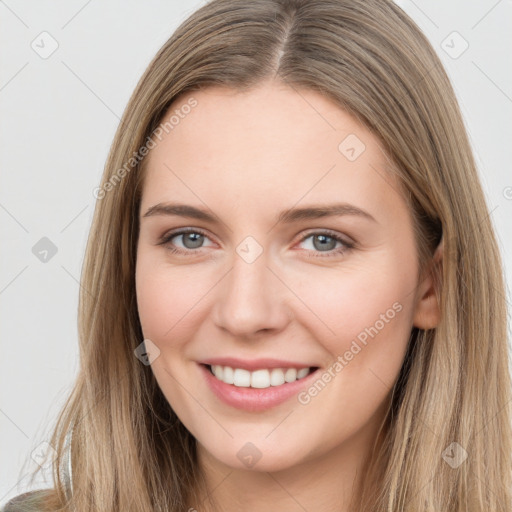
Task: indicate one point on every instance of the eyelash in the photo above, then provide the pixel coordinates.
(331, 234)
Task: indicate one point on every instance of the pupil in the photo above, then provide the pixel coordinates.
(195, 239)
(323, 245)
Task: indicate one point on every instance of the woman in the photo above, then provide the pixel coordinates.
(226, 363)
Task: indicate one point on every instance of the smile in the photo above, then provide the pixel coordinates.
(261, 379)
(257, 389)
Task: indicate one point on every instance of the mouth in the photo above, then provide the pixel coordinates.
(258, 390)
(261, 378)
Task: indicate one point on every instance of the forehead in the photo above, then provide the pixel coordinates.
(274, 142)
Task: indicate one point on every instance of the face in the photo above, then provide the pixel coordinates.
(272, 239)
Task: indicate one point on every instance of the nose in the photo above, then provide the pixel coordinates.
(251, 299)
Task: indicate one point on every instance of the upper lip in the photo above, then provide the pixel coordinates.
(254, 364)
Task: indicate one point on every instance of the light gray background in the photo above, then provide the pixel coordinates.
(58, 118)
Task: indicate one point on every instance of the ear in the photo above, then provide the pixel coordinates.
(427, 313)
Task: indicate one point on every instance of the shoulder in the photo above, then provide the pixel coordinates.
(28, 501)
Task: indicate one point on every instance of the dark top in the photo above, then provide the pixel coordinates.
(28, 501)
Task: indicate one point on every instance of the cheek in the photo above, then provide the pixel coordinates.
(369, 315)
(169, 298)
(169, 304)
(363, 314)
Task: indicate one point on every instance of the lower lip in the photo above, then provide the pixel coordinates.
(254, 399)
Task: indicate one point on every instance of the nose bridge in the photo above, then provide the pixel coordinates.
(251, 297)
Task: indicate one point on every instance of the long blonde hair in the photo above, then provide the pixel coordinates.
(129, 450)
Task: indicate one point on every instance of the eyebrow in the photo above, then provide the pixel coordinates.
(286, 216)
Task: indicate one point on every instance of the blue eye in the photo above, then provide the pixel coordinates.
(191, 239)
(322, 242)
(325, 242)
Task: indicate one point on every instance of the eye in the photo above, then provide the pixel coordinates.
(191, 239)
(325, 242)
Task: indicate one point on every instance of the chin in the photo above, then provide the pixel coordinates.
(253, 456)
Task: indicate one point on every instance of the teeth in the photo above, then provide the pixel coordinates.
(290, 375)
(228, 376)
(242, 378)
(276, 377)
(218, 372)
(260, 378)
(302, 373)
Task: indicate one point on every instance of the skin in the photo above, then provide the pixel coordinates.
(246, 157)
